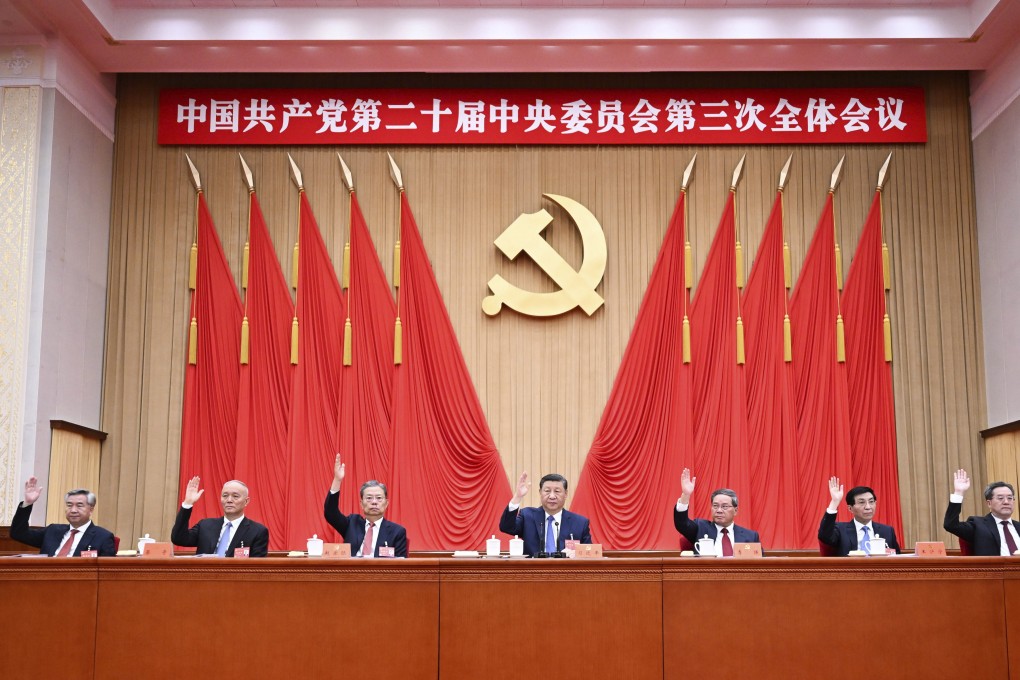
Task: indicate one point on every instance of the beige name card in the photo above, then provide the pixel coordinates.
(588, 551)
(336, 550)
(930, 549)
(749, 550)
(157, 550)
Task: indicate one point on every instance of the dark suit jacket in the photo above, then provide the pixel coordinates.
(529, 524)
(981, 532)
(693, 529)
(48, 539)
(206, 534)
(843, 535)
(352, 528)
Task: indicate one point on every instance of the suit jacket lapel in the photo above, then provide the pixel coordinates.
(86, 540)
(994, 528)
(851, 531)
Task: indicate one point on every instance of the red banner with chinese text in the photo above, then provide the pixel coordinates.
(266, 116)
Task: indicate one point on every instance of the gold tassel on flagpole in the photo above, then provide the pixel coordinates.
(398, 343)
(787, 339)
(193, 342)
(740, 267)
(688, 266)
(294, 341)
(839, 268)
(347, 265)
(686, 340)
(740, 341)
(244, 268)
(787, 266)
(193, 267)
(396, 265)
(887, 332)
(293, 269)
(840, 340)
(886, 268)
(347, 342)
(244, 340)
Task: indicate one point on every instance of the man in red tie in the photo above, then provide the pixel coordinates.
(993, 534)
(723, 532)
(63, 540)
(370, 535)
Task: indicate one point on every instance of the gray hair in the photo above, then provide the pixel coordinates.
(725, 492)
(374, 482)
(90, 497)
(995, 485)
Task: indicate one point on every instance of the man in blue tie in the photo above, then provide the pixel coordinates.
(856, 535)
(544, 530)
(220, 535)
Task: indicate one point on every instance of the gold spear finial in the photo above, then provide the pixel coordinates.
(348, 179)
(881, 173)
(195, 179)
(834, 182)
(736, 173)
(784, 173)
(395, 172)
(248, 179)
(295, 174)
(688, 173)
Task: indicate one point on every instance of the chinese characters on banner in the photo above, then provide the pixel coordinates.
(867, 115)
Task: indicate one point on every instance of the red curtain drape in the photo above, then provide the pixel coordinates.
(823, 420)
(869, 376)
(265, 391)
(771, 409)
(313, 443)
(646, 428)
(364, 429)
(720, 403)
(449, 485)
(209, 419)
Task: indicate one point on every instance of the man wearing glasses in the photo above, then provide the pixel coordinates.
(995, 533)
(855, 535)
(721, 529)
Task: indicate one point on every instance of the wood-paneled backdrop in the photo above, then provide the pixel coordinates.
(544, 382)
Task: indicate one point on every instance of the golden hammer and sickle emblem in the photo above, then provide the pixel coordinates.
(577, 288)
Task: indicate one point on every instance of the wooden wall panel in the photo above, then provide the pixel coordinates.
(543, 383)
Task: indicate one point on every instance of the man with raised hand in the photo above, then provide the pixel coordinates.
(369, 532)
(722, 530)
(544, 530)
(63, 540)
(220, 535)
(996, 533)
(855, 535)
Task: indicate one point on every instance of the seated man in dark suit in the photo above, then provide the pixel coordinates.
(847, 536)
(721, 529)
(220, 535)
(544, 530)
(366, 534)
(63, 540)
(993, 534)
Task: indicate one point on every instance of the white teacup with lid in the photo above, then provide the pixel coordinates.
(705, 547)
(314, 546)
(143, 541)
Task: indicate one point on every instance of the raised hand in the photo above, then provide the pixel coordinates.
(687, 485)
(193, 493)
(961, 482)
(835, 490)
(339, 470)
(32, 491)
(523, 486)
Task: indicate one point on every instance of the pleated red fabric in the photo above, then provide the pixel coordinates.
(823, 416)
(263, 410)
(315, 399)
(364, 427)
(720, 401)
(869, 376)
(209, 419)
(771, 408)
(631, 477)
(449, 485)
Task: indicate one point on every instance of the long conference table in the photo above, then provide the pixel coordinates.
(620, 617)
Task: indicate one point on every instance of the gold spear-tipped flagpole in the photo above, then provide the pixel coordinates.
(688, 264)
(886, 265)
(249, 180)
(784, 174)
(349, 182)
(196, 181)
(739, 255)
(295, 175)
(398, 336)
(840, 333)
